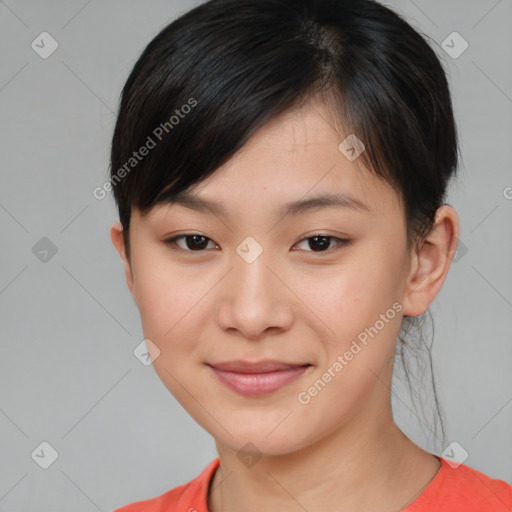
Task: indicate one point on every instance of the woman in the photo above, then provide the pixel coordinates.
(280, 169)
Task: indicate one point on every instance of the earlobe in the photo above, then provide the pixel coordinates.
(431, 262)
(116, 234)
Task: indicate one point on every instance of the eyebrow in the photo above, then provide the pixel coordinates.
(338, 200)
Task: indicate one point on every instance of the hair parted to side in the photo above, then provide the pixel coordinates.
(236, 64)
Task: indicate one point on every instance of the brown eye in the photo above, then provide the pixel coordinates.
(193, 242)
(322, 243)
(319, 243)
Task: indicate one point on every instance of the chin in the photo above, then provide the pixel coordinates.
(258, 442)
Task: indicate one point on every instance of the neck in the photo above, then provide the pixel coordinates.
(368, 464)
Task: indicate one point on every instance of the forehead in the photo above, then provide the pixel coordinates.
(294, 157)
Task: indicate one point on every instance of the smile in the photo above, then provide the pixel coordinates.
(250, 380)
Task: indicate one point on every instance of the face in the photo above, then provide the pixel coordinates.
(321, 286)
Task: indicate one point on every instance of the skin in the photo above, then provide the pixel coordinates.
(342, 450)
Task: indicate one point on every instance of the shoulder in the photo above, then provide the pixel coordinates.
(190, 497)
(460, 488)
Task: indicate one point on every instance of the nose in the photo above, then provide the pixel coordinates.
(255, 300)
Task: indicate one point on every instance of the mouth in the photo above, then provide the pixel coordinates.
(258, 378)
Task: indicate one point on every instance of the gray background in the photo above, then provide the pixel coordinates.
(69, 326)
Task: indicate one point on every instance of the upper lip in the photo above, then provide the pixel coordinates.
(241, 366)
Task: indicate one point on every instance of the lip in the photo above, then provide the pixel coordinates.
(257, 378)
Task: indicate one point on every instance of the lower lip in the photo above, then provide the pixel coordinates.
(258, 384)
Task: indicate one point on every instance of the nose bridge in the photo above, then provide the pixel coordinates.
(253, 300)
(251, 277)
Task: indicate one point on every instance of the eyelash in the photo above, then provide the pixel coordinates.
(341, 242)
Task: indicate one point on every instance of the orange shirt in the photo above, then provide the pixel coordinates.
(460, 489)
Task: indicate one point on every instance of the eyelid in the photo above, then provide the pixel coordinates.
(340, 242)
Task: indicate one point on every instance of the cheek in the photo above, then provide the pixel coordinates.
(172, 313)
(168, 298)
(347, 296)
(357, 307)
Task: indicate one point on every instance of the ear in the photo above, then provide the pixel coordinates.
(430, 262)
(116, 234)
